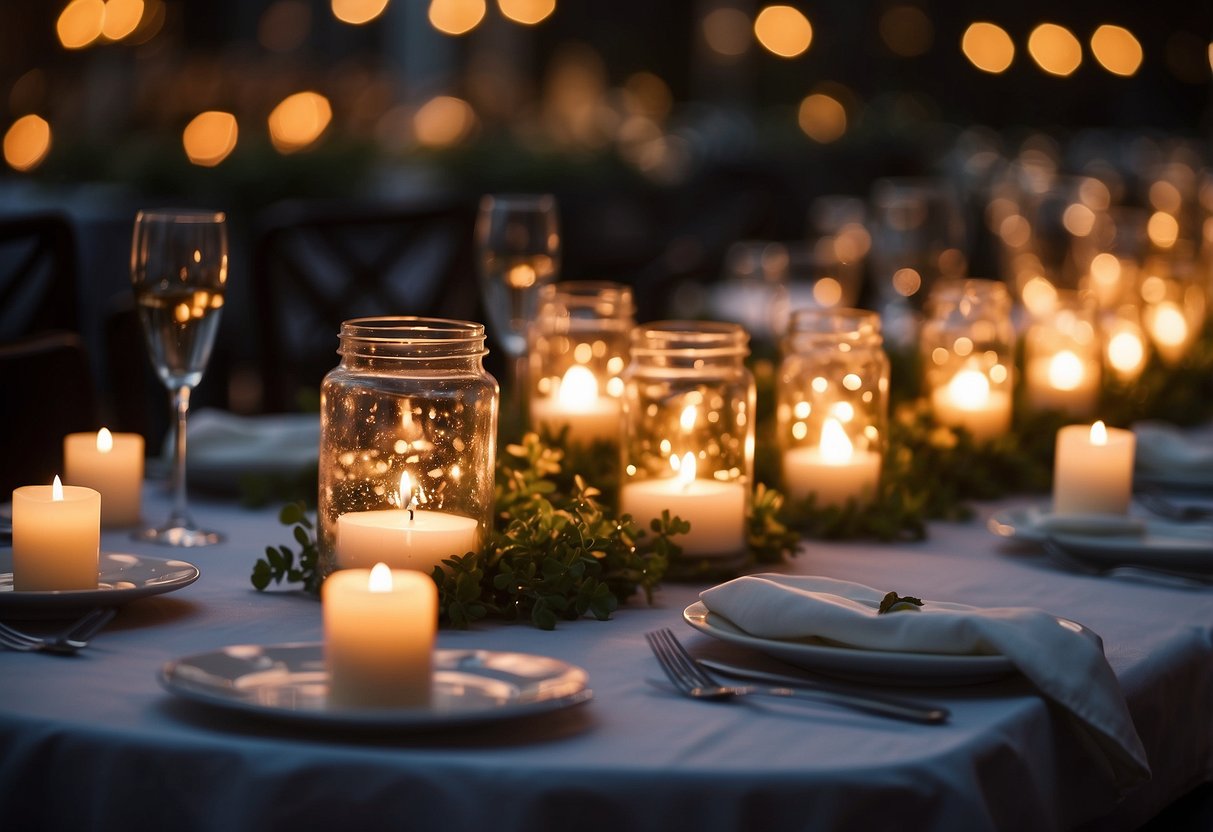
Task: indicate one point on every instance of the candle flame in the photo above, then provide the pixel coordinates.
(578, 388)
(1168, 325)
(969, 390)
(57, 490)
(1126, 352)
(1065, 371)
(686, 468)
(836, 446)
(406, 497)
(380, 579)
(1099, 433)
(105, 441)
(690, 414)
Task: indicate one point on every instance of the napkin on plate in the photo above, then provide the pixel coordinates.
(223, 446)
(1064, 664)
(1164, 450)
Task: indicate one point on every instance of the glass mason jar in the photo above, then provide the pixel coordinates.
(408, 436)
(578, 352)
(968, 356)
(832, 403)
(688, 436)
(1063, 357)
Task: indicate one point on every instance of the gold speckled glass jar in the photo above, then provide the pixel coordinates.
(408, 434)
(578, 352)
(688, 434)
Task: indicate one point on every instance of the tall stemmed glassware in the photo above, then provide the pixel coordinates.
(179, 272)
(518, 244)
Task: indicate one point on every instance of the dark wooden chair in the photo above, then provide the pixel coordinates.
(318, 264)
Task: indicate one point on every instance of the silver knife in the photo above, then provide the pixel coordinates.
(887, 705)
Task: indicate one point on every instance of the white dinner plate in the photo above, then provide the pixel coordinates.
(1153, 549)
(1032, 524)
(869, 666)
(122, 577)
(288, 682)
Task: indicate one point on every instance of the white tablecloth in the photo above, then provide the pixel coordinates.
(93, 742)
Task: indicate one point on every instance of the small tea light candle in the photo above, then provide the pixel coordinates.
(404, 538)
(715, 510)
(967, 401)
(578, 404)
(379, 627)
(111, 463)
(1093, 470)
(1063, 381)
(833, 471)
(56, 537)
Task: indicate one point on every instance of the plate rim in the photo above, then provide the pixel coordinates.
(927, 665)
(54, 599)
(408, 719)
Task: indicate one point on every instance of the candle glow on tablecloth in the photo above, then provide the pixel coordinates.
(56, 537)
(716, 510)
(1093, 470)
(111, 463)
(833, 470)
(579, 404)
(379, 628)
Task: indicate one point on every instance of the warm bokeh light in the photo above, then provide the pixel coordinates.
(1065, 371)
(210, 138)
(1163, 229)
(783, 30)
(727, 31)
(27, 142)
(456, 17)
(1164, 196)
(443, 121)
(150, 24)
(1039, 296)
(357, 12)
(527, 12)
(1078, 219)
(121, 18)
(1055, 49)
(1116, 50)
(907, 31)
(80, 23)
(822, 118)
(298, 121)
(1126, 353)
(988, 47)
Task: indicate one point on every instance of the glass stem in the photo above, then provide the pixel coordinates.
(181, 407)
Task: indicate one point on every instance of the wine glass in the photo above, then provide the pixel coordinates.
(179, 273)
(518, 246)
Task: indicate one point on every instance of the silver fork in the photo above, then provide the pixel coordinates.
(692, 680)
(67, 642)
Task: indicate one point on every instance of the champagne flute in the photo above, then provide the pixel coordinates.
(179, 273)
(518, 243)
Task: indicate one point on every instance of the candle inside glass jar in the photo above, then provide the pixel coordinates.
(834, 471)
(715, 510)
(579, 405)
(968, 401)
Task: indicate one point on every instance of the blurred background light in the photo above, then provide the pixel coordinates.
(443, 121)
(783, 31)
(121, 18)
(358, 12)
(80, 23)
(988, 47)
(822, 118)
(456, 17)
(726, 31)
(210, 138)
(527, 12)
(27, 142)
(1055, 49)
(1116, 50)
(299, 120)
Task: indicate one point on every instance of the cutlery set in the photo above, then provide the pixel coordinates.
(66, 642)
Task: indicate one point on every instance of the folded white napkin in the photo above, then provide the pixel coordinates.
(222, 444)
(1064, 664)
(1165, 449)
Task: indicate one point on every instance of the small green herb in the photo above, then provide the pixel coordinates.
(892, 600)
(280, 563)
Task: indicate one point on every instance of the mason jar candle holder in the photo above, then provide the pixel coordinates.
(832, 406)
(408, 433)
(688, 437)
(578, 352)
(968, 356)
(1062, 358)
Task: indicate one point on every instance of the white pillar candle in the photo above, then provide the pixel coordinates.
(1064, 382)
(715, 510)
(56, 537)
(111, 463)
(833, 470)
(404, 538)
(577, 404)
(379, 627)
(1093, 470)
(967, 401)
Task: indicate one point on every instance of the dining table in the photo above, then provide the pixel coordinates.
(94, 741)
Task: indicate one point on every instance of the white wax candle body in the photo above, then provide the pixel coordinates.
(807, 471)
(1079, 400)
(715, 510)
(365, 538)
(117, 473)
(1090, 478)
(378, 646)
(597, 418)
(985, 421)
(56, 543)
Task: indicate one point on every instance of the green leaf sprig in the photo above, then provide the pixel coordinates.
(281, 563)
(892, 602)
